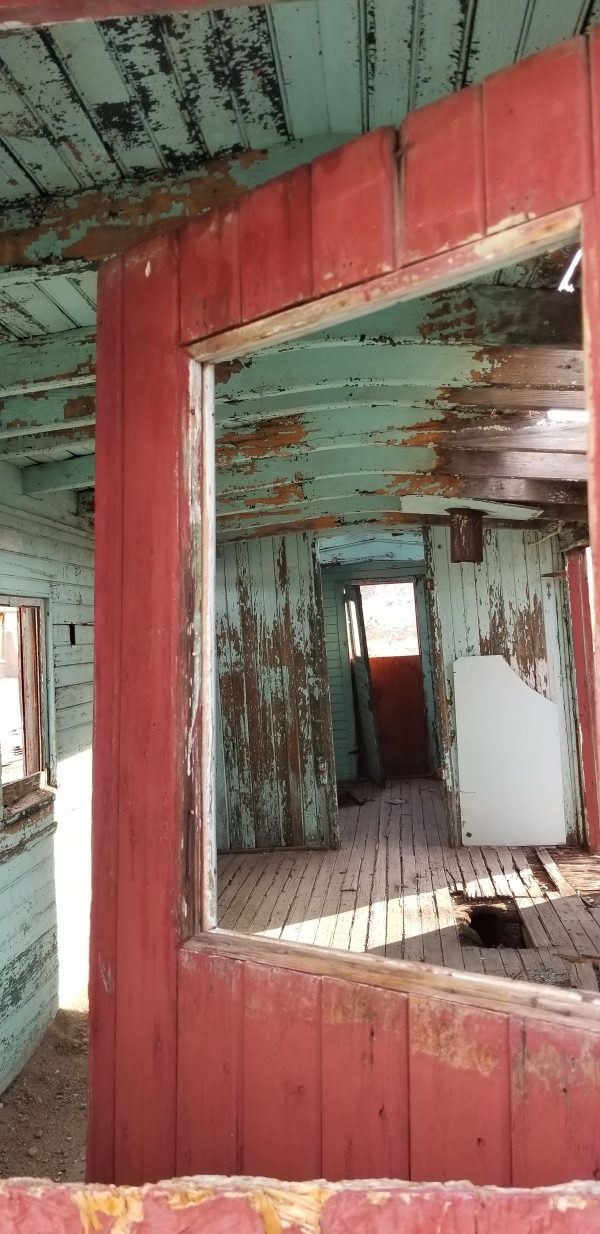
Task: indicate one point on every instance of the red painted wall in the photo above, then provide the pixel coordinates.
(202, 1059)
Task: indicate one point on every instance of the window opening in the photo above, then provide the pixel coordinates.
(21, 742)
(390, 618)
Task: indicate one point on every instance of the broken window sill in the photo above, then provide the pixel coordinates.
(26, 821)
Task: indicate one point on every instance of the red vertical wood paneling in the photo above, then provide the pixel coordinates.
(442, 175)
(365, 1082)
(537, 138)
(355, 212)
(210, 1011)
(282, 1105)
(591, 335)
(555, 1103)
(583, 656)
(107, 688)
(275, 245)
(459, 1093)
(210, 274)
(154, 712)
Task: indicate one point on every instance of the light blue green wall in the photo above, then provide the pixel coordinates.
(275, 784)
(45, 880)
(514, 604)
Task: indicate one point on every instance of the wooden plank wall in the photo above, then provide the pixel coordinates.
(275, 720)
(28, 940)
(352, 1077)
(515, 605)
(45, 553)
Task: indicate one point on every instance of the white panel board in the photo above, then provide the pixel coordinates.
(509, 768)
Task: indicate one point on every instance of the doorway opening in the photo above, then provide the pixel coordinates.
(392, 632)
(387, 680)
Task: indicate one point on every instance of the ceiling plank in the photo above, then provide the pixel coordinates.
(52, 361)
(101, 223)
(525, 464)
(44, 442)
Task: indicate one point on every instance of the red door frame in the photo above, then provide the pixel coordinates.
(486, 176)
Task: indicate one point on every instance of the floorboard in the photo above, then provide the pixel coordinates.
(395, 887)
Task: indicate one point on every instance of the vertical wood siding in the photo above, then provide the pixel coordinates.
(277, 781)
(515, 605)
(316, 1074)
(44, 555)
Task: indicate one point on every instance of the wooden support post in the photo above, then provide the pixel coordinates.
(466, 535)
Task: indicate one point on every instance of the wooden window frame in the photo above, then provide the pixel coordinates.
(12, 792)
(524, 241)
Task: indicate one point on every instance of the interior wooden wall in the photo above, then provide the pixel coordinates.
(513, 604)
(277, 778)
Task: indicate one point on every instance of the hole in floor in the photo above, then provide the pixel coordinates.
(491, 924)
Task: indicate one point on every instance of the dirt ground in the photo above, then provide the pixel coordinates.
(43, 1113)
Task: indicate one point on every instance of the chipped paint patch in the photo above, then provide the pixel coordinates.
(450, 1035)
(124, 1208)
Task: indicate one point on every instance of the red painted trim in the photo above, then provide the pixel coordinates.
(15, 13)
(108, 599)
(583, 655)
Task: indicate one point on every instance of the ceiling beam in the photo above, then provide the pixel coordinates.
(17, 13)
(100, 223)
(74, 473)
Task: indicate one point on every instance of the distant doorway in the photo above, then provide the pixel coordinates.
(388, 686)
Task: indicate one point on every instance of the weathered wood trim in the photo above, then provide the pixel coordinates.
(205, 402)
(580, 1007)
(445, 269)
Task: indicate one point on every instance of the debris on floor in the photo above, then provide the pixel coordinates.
(43, 1114)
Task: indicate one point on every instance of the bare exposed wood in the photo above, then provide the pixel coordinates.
(512, 463)
(518, 431)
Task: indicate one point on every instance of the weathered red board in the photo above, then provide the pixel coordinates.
(228, 1056)
(261, 1206)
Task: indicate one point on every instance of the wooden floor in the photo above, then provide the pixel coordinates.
(396, 888)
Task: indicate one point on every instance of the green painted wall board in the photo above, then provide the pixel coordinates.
(274, 700)
(509, 605)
